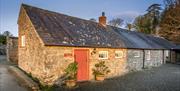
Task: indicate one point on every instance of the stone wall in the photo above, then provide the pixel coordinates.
(12, 49)
(156, 58)
(47, 63)
(135, 62)
(30, 56)
(55, 62)
(178, 56)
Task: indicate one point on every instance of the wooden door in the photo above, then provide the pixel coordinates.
(81, 57)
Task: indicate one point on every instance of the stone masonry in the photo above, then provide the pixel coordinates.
(12, 49)
(47, 63)
(135, 62)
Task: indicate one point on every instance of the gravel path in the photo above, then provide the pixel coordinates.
(7, 81)
(163, 78)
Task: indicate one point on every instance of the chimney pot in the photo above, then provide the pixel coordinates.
(103, 13)
(102, 19)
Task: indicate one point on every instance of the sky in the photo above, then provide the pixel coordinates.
(86, 9)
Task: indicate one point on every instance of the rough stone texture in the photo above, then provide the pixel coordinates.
(173, 57)
(47, 63)
(12, 49)
(30, 56)
(136, 63)
(156, 58)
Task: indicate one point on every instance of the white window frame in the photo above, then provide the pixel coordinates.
(166, 53)
(103, 52)
(136, 53)
(23, 40)
(148, 55)
(119, 52)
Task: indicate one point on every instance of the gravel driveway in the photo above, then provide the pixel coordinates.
(163, 78)
(7, 81)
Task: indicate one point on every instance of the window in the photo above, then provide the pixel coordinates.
(148, 55)
(103, 54)
(166, 53)
(118, 54)
(23, 40)
(136, 53)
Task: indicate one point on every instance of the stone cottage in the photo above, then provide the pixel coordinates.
(49, 41)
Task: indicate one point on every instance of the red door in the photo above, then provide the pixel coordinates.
(81, 57)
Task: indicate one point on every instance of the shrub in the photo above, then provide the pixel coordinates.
(100, 69)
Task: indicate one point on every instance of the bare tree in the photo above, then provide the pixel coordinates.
(7, 33)
(116, 22)
(92, 19)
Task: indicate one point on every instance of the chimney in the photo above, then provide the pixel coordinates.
(102, 19)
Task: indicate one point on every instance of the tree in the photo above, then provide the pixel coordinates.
(170, 3)
(92, 19)
(7, 33)
(142, 24)
(116, 22)
(154, 14)
(170, 24)
(3, 37)
(149, 22)
(129, 26)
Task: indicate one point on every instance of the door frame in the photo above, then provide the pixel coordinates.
(83, 49)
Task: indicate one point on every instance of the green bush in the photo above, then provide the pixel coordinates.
(2, 39)
(100, 69)
(71, 70)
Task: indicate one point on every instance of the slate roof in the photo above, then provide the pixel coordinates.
(57, 29)
(177, 47)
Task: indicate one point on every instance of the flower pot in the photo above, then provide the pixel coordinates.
(100, 77)
(70, 83)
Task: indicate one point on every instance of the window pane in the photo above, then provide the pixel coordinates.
(103, 54)
(118, 54)
(148, 55)
(136, 54)
(23, 40)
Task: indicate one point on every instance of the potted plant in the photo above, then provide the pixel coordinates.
(71, 72)
(100, 71)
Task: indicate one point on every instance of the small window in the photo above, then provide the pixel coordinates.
(23, 40)
(136, 53)
(103, 54)
(118, 54)
(166, 53)
(148, 55)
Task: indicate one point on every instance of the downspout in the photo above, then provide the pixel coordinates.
(163, 57)
(143, 59)
(175, 56)
(170, 56)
